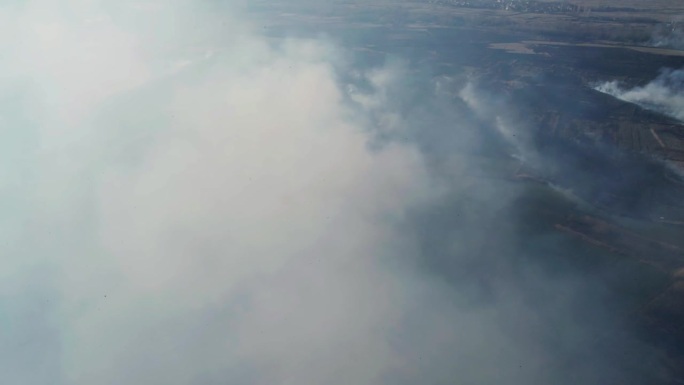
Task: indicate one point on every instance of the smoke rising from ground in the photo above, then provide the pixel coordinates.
(669, 35)
(664, 94)
(222, 215)
(186, 202)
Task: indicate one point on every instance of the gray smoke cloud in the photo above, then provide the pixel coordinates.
(663, 94)
(188, 202)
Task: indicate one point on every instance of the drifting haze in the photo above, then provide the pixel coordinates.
(186, 202)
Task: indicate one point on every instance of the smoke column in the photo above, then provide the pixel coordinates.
(185, 201)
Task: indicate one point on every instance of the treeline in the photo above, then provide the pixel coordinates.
(529, 6)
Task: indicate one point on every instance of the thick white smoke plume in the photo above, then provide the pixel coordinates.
(184, 201)
(665, 94)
